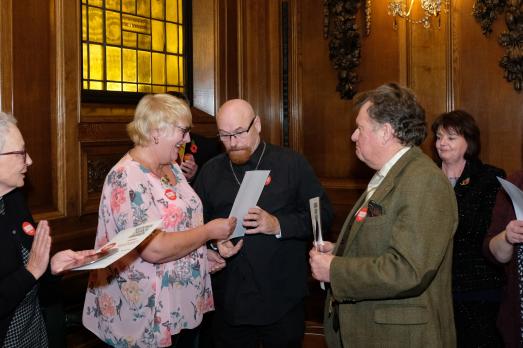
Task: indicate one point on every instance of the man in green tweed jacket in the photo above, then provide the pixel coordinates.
(390, 270)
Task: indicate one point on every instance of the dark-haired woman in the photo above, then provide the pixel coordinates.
(476, 283)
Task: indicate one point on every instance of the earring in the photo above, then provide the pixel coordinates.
(155, 140)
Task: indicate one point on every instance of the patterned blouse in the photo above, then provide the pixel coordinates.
(134, 303)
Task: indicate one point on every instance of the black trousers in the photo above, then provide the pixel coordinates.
(287, 332)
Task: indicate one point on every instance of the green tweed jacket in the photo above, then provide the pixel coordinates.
(393, 280)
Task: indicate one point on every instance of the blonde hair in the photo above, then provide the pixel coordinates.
(157, 111)
(5, 121)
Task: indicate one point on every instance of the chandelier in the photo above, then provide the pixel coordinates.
(431, 9)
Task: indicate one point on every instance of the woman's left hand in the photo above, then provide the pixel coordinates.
(65, 257)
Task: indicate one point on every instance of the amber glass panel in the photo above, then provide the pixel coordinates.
(158, 89)
(144, 67)
(114, 86)
(84, 23)
(143, 8)
(96, 62)
(171, 38)
(136, 24)
(113, 30)
(96, 85)
(172, 70)
(158, 68)
(171, 10)
(85, 59)
(114, 63)
(129, 87)
(86, 84)
(144, 42)
(144, 88)
(180, 38)
(180, 12)
(129, 39)
(113, 4)
(157, 10)
(129, 6)
(95, 24)
(98, 3)
(84, 1)
(180, 68)
(129, 65)
(158, 36)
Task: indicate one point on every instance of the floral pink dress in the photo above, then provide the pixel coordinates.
(134, 303)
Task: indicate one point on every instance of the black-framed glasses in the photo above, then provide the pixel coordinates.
(22, 153)
(237, 135)
(184, 130)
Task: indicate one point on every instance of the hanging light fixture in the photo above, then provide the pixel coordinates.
(431, 9)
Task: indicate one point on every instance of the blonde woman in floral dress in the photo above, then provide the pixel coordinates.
(156, 295)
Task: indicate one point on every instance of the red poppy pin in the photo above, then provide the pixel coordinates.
(28, 229)
(268, 180)
(194, 147)
(361, 214)
(465, 182)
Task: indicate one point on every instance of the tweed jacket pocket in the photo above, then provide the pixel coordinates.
(401, 314)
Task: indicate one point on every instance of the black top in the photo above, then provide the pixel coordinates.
(15, 280)
(268, 276)
(476, 191)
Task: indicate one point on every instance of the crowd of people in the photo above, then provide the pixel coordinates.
(429, 255)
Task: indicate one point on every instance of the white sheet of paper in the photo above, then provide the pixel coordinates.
(314, 204)
(125, 241)
(247, 197)
(516, 195)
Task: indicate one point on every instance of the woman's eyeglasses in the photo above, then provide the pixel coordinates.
(22, 153)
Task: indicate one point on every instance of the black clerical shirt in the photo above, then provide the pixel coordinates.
(268, 276)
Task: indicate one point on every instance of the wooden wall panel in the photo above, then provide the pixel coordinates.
(481, 90)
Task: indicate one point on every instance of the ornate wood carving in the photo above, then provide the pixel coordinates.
(97, 169)
(485, 12)
(344, 45)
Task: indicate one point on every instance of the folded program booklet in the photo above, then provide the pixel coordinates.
(116, 248)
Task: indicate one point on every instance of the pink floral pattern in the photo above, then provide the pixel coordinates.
(133, 302)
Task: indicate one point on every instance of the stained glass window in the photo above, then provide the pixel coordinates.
(133, 46)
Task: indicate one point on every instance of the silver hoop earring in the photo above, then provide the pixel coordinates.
(155, 140)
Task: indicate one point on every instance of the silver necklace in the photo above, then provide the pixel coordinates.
(257, 164)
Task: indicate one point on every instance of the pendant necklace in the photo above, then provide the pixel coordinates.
(257, 164)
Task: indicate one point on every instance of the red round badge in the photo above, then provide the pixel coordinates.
(268, 181)
(170, 194)
(28, 229)
(361, 214)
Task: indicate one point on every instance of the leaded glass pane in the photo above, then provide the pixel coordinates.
(132, 45)
(158, 36)
(171, 10)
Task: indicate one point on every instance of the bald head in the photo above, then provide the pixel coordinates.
(239, 129)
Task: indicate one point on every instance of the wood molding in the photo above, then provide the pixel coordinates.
(6, 56)
(295, 80)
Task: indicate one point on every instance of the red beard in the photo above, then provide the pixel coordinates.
(239, 156)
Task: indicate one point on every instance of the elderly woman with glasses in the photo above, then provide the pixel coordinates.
(156, 295)
(476, 283)
(24, 248)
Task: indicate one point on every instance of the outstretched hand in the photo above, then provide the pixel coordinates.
(63, 258)
(39, 254)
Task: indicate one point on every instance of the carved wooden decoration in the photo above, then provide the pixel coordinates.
(344, 46)
(485, 12)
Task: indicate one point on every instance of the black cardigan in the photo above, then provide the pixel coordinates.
(15, 280)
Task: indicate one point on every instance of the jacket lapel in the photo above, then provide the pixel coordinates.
(383, 190)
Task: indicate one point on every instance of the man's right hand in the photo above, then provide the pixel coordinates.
(39, 255)
(219, 229)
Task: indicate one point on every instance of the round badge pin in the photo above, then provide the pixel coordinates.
(170, 194)
(361, 214)
(28, 229)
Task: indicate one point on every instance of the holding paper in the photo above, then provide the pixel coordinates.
(247, 197)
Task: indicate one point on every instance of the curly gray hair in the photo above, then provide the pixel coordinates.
(5, 121)
(396, 105)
